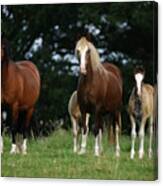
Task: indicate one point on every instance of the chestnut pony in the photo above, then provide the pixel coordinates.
(20, 90)
(99, 92)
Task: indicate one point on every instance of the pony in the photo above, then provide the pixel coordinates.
(20, 90)
(99, 92)
(140, 108)
(75, 116)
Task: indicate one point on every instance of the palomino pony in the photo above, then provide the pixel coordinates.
(75, 116)
(99, 92)
(20, 90)
(140, 108)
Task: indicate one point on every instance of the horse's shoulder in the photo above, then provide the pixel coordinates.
(149, 88)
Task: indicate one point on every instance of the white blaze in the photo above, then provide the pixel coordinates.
(139, 77)
(83, 61)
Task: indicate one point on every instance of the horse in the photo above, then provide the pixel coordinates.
(140, 108)
(99, 91)
(75, 116)
(20, 91)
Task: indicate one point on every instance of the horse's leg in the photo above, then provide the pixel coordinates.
(1, 147)
(75, 133)
(141, 138)
(133, 136)
(150, 137)
(28, 116)
(84, 133)
(111, 135)
(117, 129)
(98, 134)
(14, 126)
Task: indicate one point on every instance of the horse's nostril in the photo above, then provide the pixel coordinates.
(83, 71)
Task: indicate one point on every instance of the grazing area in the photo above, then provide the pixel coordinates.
(53, 157)
(91, 48)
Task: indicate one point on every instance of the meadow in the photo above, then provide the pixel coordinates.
(53, 157)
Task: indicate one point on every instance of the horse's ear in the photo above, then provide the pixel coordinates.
(78, 36)
(139, 69)
(88, 37)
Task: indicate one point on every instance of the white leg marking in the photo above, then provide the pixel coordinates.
(84, 137)
(97, 148)
(24, 147)
(117, 141)
(13, 149)
(1, 147)
(100, 141)
(150, 137)
(133, 137)
(75, 134)
(141, 145)
(84, 143)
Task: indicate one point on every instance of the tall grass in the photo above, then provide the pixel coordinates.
(53, 157)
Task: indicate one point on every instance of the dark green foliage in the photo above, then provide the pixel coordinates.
(127, 29)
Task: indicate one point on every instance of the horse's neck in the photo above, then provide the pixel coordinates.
(6, 73)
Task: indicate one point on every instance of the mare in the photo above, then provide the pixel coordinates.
(99, 92)
(20, 91)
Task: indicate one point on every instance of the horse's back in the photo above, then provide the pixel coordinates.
(114, 69)
(28, 66)
(148, 98)
(29, 78)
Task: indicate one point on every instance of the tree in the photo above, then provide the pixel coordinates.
(125, 33)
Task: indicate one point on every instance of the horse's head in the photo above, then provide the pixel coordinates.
(4, 51)
(139, 74)
(82, 51)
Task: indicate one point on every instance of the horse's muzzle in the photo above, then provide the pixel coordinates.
(83, 71)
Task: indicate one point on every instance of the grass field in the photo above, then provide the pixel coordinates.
(53, 157)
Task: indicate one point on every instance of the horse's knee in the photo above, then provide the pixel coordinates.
(96, 131)
(141, 134)
(75, 133)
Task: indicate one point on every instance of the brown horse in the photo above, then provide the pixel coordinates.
(75, 116)
(99, 92)
(140, 109)
(20, 90)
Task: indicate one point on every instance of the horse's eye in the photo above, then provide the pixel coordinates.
(88, 51)
(78, 54)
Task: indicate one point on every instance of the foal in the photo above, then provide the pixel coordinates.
(140, 108)
(75, 116)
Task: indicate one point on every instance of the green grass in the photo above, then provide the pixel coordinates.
(53, 157)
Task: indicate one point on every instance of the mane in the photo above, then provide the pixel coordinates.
(95, 58)
(6, 50)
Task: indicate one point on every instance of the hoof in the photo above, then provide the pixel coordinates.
(141, 154)
(117, 154)
(132, 154)
(82, 151)
(75, 150)
(97, 152)
(13, 149)
(150, 154)
(24, 152)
